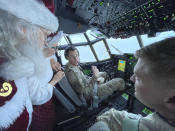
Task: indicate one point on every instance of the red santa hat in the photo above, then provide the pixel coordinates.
(31, 11)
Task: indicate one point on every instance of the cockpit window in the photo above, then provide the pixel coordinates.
(86, 54)
(159, 36)
(64, 41)
(101, 50)
(91, 38)
(63, 60)
(119, 46)
(116, 46)
(77, 38)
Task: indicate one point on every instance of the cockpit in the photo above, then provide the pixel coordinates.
(107, 34)
(94, 47)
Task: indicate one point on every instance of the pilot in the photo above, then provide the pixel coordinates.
(89, 87)
(24, 71)
(154, 78)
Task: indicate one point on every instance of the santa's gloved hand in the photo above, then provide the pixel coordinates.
(99, 126)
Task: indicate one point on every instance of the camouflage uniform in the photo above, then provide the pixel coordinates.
(114, 119)
(84, 85)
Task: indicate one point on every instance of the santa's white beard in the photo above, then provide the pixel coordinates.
(30, 62)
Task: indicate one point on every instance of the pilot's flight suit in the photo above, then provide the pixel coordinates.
(115, 120)
(84, 84)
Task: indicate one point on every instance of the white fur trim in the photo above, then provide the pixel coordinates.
(31, 11)
(13, 108)
(21, 83)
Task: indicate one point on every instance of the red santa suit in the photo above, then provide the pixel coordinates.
(18, 69)
(27, 87)
(34, 87)
(15, 107)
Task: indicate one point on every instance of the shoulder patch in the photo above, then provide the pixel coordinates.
(7, 91)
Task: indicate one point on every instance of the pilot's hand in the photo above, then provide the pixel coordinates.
(95, 71)
(57, 77)
(55, 65)
(48, 52)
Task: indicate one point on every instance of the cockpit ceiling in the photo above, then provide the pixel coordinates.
(125, 18)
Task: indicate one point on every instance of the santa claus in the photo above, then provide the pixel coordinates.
(25, 74)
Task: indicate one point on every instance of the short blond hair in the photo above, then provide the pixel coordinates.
(161, 55)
